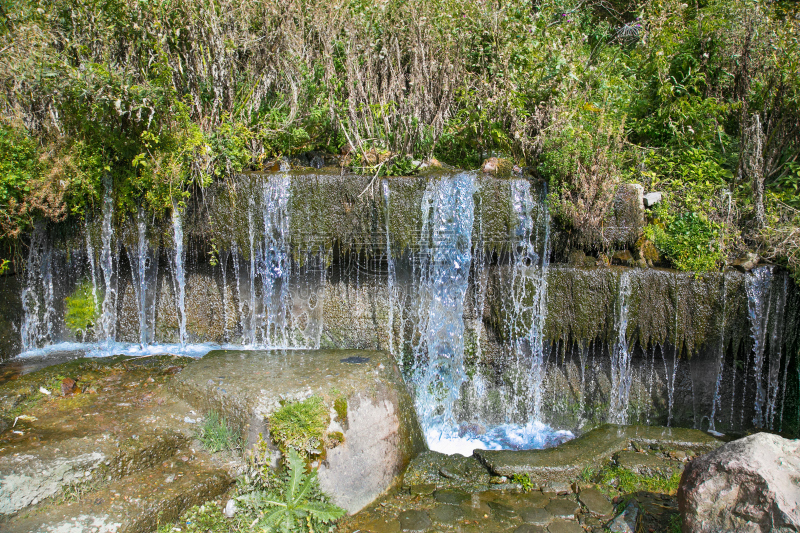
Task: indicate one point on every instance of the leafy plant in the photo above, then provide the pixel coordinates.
(524, 481)
(296, 506)
(690, 241)
(216, 435)
(300, 425)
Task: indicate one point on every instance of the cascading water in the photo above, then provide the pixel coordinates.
(391, 274)
(37, 296)
(274, 262)
(144, 271)
(531, 258)
(179, 274)
(108, 263)
(621, 356)
(758, 294)
(720, 361)
(445, 248)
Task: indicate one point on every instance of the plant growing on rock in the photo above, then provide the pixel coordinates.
(300, 426)
(297, 505)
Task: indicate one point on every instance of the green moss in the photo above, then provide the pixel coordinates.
(617, 479)
(340, 406)
(300, 426)
(82, 309)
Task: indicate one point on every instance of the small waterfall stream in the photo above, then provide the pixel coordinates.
(621, 356)
(445, 249)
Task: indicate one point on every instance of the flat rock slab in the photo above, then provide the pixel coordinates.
(563, 508)
(750, 485)
(536, 515)
(530, 528)
(446, 514)
(596, 502)
(381, 431)
(564, 526)
(646, 464)
(414, 521)
(451, 496)
(135, 504)
(123, 421)
(591, 449)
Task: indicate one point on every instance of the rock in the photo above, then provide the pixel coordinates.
(748, 485)
(422, 489)
(651, 199)
(647, 251)
(624, 223)
(747, 262)
(230, 509)
(451, 496)
(596, 502)
(530, 528)
(414, 521)
(564, 526)
(446, 514)
(536, 516)
(645, 464)
(563, 508)
(627, 521)
(498, 167)
(501, 511)
(590, 449)
(622, 257)
(446, 471)
(679, 455)
(381, 432)
(68, 387)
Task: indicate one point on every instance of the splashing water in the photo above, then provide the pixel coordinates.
(445, 248)
(179, 273)
(531, 258)
(621, 357)
(758, 305)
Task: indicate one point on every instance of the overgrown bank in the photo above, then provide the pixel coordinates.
(158, 100)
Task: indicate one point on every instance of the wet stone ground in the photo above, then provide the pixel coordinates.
(454, 493)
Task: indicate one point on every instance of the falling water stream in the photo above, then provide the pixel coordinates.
(436, 293)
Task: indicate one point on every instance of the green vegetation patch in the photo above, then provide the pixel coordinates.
(83, 310)
(300, 426)
(216, 435)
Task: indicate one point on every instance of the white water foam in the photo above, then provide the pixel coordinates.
(532, 436)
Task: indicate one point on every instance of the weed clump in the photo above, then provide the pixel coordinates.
(300, 426)
(216, 435)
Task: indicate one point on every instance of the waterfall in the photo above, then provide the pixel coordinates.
(621, 356)
(391, 274)
(179, 273)
(445, 250)
(37, 295)
(758, 295)
(531, 258)
(144, 272)
(108, 264)
(275, 265)
(775, 354)
(721, 359)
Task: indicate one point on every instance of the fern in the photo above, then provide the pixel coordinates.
(297, 505)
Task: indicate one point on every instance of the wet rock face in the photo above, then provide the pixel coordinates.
(749, 485)
(379, 429)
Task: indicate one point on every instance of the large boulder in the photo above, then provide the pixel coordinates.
(749, 485)
(373, 431)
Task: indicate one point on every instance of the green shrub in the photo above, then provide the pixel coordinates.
(689, 241)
